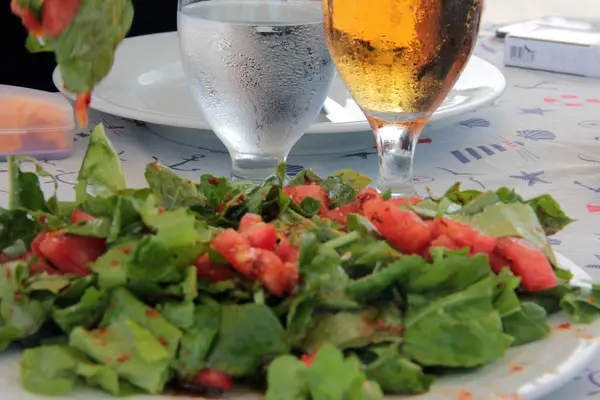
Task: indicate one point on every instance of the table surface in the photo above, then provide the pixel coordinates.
(548, 123)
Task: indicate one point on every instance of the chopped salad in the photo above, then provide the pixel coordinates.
(316, 288)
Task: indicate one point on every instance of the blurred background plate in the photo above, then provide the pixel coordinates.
(147, 84)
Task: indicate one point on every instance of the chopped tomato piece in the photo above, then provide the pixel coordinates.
(30, 21)
(82, 103)
(366, 195)
(401, 201)
(57, 15)
(299, 193)
(248, 221)
(287, 251)
(308, 359)
(233, 247)
(211, 378)
(404, 229)
(277, 277)
(35, 244)
(446, 242)
(256, 263)
(340, 215)
(261, 235)
(71, 254)
(462, 236)
(80, 216)
(205, 269)
(525, 261)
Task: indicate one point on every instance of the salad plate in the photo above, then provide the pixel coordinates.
(147, 84)
(311, 285)
(525, 373)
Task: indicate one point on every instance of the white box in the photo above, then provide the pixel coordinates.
(554, 49)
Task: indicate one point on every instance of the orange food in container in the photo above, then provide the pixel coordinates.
(35, 123)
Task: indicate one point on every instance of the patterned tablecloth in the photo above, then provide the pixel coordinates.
(541, 136)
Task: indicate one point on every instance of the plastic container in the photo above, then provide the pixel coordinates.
(35, 123)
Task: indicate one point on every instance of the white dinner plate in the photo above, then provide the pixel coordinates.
(147, 83)
(525, 373)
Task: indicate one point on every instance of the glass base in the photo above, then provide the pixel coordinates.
(253, 168)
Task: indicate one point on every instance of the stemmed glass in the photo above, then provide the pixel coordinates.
(260, 71)
(399, 59)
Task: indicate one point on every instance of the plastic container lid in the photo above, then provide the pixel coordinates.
(35, 123)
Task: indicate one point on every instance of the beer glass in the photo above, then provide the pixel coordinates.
(399, 59)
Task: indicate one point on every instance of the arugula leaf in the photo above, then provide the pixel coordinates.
(550, 214)
(582, 305)
(287, 379)
(395, 373)
(350, 177)
(171, 190)
(129, 349)
(458, 330)
(309, 206)
(339, 192)
(305, 177)
(462, 197)
(351, 330)
(382, 279)
(331, 377)
(248, 335)
(101, 170)
(299, 316)
(197, 341)
(17, 230)
(525, 321)
(450, 272)
(529, 324)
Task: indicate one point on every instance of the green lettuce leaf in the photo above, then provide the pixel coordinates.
(249, 335)
(25, 190)
(85, 49)
(101, 170)
(132, 351)
(86, 313)
(171, 190)
(123, 305)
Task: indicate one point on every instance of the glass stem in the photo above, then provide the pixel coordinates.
(396, 141)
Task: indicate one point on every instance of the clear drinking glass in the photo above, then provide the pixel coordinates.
(399, 59)
(260, 71)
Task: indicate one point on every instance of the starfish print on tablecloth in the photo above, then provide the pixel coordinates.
(534, 111)
(531, 178)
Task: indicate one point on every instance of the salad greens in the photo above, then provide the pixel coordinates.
(363, 319)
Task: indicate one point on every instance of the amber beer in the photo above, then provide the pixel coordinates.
(401, 56)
